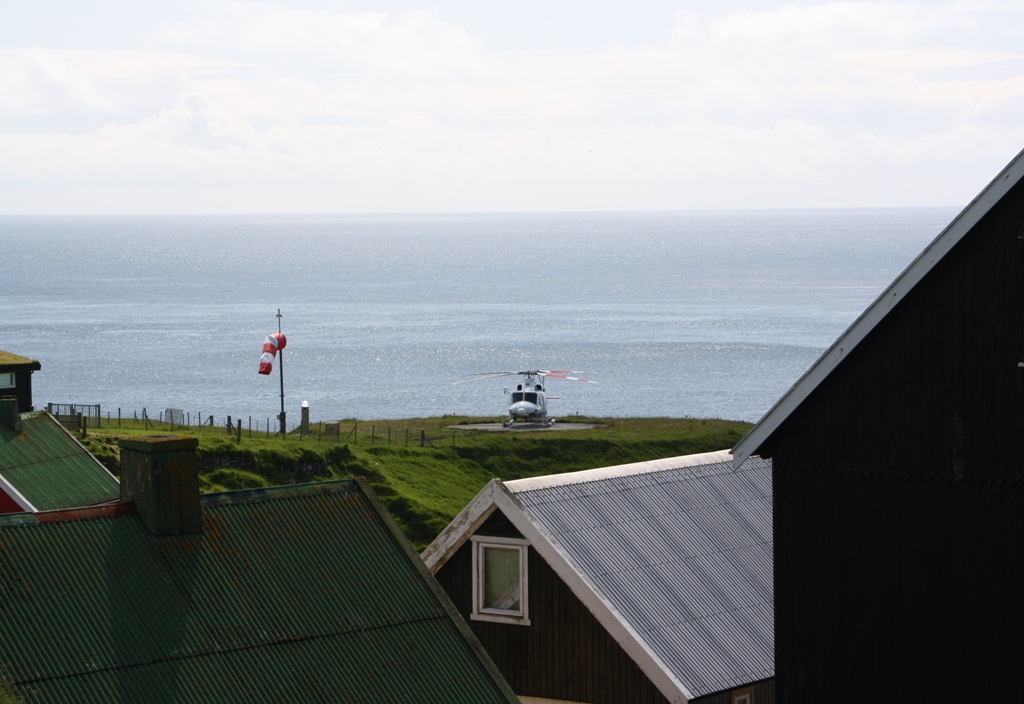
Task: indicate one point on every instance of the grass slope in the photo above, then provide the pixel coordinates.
(424, 487)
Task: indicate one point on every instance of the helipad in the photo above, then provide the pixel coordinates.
(521, 427)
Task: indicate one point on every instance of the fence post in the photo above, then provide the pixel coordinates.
(373, 434)
(119, 417)
(238, 437)
(423, 438)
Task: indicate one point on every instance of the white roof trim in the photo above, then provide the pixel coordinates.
(622, 470)
(461, 528)
(84, 448)
(896, 292)
(495, 496)
(9, 489)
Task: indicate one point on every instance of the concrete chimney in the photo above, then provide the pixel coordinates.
(160, 475)
(9, 415)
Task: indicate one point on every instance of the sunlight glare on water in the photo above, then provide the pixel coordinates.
(682, 314)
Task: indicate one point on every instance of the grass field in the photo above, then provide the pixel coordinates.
(425, 486)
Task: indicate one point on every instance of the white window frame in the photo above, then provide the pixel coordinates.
(479, 613)
(745, 696)
(8, 380)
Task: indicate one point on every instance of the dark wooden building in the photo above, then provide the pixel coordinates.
(16, 379)
(639, 584)
(898, 466)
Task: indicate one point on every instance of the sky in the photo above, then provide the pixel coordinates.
(467, 106)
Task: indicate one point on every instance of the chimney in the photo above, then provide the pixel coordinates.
(9, 415)
(159, 474)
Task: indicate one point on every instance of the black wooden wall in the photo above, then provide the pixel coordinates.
(762, 692)
(22, 390)
(565, 653)
(899, 538)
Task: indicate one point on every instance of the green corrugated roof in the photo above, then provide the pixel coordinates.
(290, 594)
(49, 468)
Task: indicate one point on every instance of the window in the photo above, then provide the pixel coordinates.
(743, 696)
(532, 398)
(7, 380)
(500, 580)
(517, 396)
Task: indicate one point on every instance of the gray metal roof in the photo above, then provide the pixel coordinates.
(685, 555)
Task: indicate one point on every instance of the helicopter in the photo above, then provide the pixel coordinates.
(529, 399)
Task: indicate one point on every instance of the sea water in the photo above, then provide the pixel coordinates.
(702, 314)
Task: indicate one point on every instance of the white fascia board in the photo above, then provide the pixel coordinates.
(587, 592)
(482, 506)
(622, 470)
(896, 292)
(461, 528)
(84, 448)
(9, 489)
(495, 496)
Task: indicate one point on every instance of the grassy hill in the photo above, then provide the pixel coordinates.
(425, 486)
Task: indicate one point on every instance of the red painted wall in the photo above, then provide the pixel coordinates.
(8, 504)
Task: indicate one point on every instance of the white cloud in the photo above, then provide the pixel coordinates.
(34, 81)
(265, 107)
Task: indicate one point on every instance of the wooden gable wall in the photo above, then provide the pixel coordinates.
(899, 507)
(564, 653)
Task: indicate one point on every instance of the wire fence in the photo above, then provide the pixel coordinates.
(171, 419)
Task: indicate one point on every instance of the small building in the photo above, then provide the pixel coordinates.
(16, 379)
(899, 481)
(43, 467)
(642, 583)
(301, 593)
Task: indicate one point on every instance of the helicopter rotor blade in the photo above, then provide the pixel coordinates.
(553, 373)
(571, 378)
(484, 375)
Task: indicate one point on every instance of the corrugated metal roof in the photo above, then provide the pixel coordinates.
(684, 555)
(49, 468)
(290, 594)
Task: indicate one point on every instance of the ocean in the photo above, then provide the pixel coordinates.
(700, 314)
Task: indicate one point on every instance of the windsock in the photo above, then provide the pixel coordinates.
(272, 344)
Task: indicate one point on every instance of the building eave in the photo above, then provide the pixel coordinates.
(496, 496)
(879, 309)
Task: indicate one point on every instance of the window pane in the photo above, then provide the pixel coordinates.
(501, 579)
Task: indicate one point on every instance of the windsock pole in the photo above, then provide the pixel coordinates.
(280, 368)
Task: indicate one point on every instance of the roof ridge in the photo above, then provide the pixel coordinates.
(622, 470)
(237, 649)
(43, 460)
(271, 493)
(894, 293)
